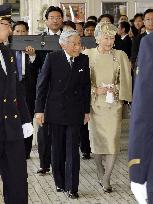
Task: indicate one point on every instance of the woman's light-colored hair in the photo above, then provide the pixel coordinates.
(66, 34)
(104, 29)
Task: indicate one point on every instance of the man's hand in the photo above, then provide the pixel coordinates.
(86, 118)
(40, 118)
(30, 50)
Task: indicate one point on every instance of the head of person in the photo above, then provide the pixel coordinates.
(106, 18)
(123, 18)
(92, 18)
(138, 20)
(69, 25)
(89, 28)
(105, 36)
(123, 28)
(133, 32)
(148, 20)
(79, 28)
(20, 28)
(54, 18)
(70, 42)
(5, 22)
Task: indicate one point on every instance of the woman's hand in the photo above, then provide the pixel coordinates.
(101, 90)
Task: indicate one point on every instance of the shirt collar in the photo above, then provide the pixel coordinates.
(123, 36)
(68, 56)
(50, 32)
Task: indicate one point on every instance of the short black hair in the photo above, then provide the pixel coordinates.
(148, 11)
(21, 23)
(53, 8)
(138, 15)
(111, 18)
(70, 24)
(88, 24)
(126, 25)
(92, 18)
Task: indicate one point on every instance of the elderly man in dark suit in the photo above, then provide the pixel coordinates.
(13, 113)
(63, 99)
(141, 128)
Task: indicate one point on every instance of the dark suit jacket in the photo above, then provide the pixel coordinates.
(30, 81)
(135, 48)
(13, 109)
(124, 45)
(64, 92)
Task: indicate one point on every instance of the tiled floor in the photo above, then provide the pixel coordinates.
(42, 189)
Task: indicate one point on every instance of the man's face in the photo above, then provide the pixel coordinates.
(54, 21)
(148, 21)
(120, 30)
(5, 30)
(89, 31)
(123, 18)
(73, 46)
(20, 30)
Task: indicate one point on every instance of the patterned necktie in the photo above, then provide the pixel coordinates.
(19, 63)
(71, 62)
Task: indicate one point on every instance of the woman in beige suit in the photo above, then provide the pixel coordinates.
(111, 84)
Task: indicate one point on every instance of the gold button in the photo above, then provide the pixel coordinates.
(14, 100)
(15, 116)
(4, 100)
(5, 116)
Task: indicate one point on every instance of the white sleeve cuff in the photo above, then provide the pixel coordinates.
(27, 129)
(140, 192)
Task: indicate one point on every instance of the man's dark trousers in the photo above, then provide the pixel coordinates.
(44, 146)
(65, 156)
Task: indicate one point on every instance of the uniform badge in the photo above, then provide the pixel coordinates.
(137, 70)
(12, 59)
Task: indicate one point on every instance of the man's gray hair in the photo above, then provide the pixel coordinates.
(66, 34)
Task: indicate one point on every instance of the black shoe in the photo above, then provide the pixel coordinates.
(86, 156)
(73, 195)
(43, 171)
(58, 189)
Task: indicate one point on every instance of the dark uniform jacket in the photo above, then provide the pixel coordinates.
(141, 127)
(13, 108)
(64, 92)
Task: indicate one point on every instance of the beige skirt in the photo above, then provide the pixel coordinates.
(105, 128)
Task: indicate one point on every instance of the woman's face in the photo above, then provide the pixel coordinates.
(106, 42)
(138, 22)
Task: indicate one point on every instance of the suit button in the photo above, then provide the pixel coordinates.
(5, 116)
(14, 100)
(75, 92)
(4, 100)
(15, 116)
(59, 80)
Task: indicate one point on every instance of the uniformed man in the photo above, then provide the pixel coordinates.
(141, 127)
(14, 121)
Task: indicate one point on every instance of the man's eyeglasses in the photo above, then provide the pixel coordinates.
(54, 18)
